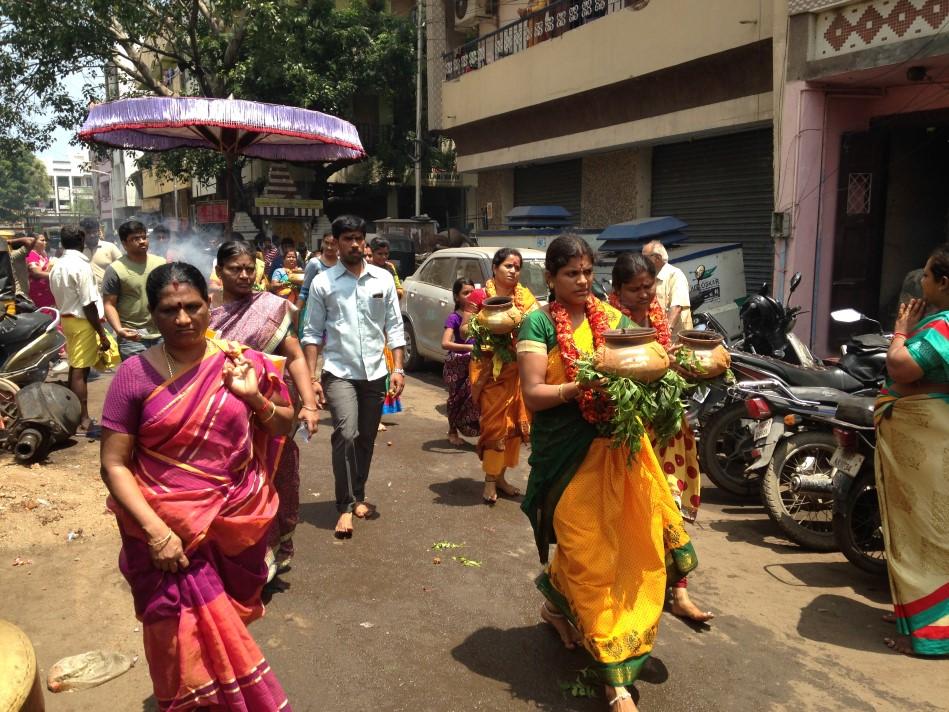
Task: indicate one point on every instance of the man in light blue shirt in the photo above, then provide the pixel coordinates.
(351, 311)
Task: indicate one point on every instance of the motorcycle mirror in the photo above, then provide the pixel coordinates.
(846, 316)
(795, 282)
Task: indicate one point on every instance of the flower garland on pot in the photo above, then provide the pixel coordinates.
(622, 405)
(656, 316)
(501, 347)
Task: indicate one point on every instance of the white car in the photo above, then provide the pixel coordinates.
(428, 300)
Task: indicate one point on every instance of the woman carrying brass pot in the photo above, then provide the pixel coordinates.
(505, 421)
(634, 294)
(618, 531)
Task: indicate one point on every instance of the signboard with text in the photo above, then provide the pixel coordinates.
(214, 211)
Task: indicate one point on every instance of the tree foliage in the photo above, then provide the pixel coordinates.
(306, 53)
(23, 181)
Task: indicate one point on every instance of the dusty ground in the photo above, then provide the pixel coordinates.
(373, 623)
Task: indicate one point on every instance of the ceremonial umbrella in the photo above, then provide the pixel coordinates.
(233, 127)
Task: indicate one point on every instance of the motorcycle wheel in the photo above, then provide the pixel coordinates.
(806, 519)
(725, 451)
(858, 527)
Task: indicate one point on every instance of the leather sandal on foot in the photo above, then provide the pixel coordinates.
(624, 695)
(370, 510)
(491, 501)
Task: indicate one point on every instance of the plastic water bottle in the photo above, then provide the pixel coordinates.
(303, 433)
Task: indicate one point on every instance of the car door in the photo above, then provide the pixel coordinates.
(433, 304)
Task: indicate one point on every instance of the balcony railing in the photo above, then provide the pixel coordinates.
(556, 19)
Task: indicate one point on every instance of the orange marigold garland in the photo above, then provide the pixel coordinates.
(657, 319)
(595, 406)
(521, 295)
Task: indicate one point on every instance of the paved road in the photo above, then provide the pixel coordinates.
(373, 624)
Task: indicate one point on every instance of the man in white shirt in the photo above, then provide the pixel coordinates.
(351, 311)
(672, 287)
(80, 306)
(100, 254)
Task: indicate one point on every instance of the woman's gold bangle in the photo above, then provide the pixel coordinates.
(159, 544)
(560, 393)
(311, 408)
(273, 412)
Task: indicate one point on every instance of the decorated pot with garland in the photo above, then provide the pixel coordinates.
(632, 353)
(702, 354)
(499, 315)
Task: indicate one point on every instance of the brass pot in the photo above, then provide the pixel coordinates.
(632, 353)
(296, 278)
(499, 315)
(711, 355)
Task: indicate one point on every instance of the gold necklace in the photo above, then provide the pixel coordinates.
(169, 359)
(171, 373)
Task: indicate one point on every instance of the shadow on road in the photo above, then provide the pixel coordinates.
(844, 622)
(531, 662)
(841, 574)
(322, 515)
(459, 492)
(713, 495)
(753, 532)
(444, 447)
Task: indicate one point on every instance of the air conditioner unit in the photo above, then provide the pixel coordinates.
(468, 13)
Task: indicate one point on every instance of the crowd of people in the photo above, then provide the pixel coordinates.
(219, 371)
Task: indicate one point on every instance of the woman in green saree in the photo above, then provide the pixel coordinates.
(611, 514)
(912, 419)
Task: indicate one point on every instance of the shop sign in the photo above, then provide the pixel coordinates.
(214, 211)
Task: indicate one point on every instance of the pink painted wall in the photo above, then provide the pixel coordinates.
(813, 122)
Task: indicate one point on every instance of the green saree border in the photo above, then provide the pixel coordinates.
(618, 674)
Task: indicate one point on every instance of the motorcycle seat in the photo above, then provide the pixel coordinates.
(23, 327)
(817, 376)
(868, 343)
(857, 410)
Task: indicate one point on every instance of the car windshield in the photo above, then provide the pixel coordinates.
(532, 277)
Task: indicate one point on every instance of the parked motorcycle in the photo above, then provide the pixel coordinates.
(725, 441)
(858, 526)
(793, 444)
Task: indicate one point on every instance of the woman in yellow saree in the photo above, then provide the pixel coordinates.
(912, 420)
(617, 529)
(505, 422)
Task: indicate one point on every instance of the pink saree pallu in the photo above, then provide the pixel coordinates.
(207, 472)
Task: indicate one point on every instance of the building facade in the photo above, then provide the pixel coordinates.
(73, 190)
(863, 140)
(614, 109)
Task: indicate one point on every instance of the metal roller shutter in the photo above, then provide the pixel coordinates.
(549, 184)
(723, 188)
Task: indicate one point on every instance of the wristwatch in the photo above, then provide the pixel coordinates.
(400, 371)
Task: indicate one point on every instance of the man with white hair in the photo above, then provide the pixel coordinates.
(672, 287)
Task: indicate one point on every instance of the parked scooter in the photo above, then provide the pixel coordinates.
(34, 416)
(29, 342)
(857, 524)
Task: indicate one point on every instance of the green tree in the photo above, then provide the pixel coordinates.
(305, 53)
(23, 180)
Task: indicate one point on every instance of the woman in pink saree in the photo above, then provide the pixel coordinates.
(264, 322)
(193, 430)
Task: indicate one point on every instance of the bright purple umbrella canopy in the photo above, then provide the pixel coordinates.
(231, 126)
